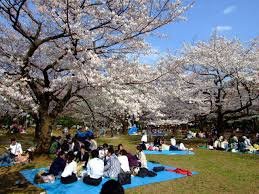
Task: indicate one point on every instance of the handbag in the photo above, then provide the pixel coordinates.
(124, 178)
(159, 168)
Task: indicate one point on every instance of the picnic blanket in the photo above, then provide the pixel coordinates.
(133, 130)
(167, 152)
(80, 187)
(5, 164)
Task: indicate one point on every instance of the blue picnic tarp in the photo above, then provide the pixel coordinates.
(81, 188)
(133, 130)
(167, 152)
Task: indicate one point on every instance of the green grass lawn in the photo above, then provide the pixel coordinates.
(219, 172)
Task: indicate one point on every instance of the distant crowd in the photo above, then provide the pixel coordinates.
(234, 144)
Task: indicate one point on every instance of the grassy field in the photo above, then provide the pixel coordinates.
(219, 172)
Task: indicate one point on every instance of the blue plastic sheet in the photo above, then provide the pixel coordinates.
(81, 188)
(133, 130)
(167, 152)
(4, 164)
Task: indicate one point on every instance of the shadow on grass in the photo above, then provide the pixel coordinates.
(11, 181)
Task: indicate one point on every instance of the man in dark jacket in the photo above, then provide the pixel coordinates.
(82, 155)
(58, 165)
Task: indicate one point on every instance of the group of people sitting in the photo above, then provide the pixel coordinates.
(15, 154)
(233, 144)
(15, 128)
(82, 137)
(159, 144)
(80, 158)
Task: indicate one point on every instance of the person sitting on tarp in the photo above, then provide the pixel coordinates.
(233, 143)
(141, 157)
(122, 156)
(247, 141)
(93, 143)
(217, 143)
(133, 160)
(95, 168)
(157, 142)
(103, 151)
(81, 134)
(242, 146)
(14, 150)
(173, 141)
(119, 148)
(14, 128)
(245, 145)
(113, 166)
(57, 166)
(55, 145)
(69, 174)
(75, 146)
(173, 146)
(65, 146)
(82, 156)
(224, 144)
(165, 147)
(89, 133)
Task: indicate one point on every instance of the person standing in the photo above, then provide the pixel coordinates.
(144, 137)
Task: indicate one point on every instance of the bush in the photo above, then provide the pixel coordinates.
(67, 121)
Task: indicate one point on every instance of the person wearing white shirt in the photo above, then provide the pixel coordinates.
(173, 141)
(182, 147)
(247, 141)
(124, 161)
(69, 174)
(165, 147)
(142, 157)
(104, 151)
(15, 148)
(93, 144)
(224, 145)
(144, 138)
(95, 169)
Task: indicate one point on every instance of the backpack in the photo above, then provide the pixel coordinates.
(124, 178)
(158, 168)
(143, 172)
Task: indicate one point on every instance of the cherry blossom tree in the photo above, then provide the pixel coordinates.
(130, 93)
(223, 74)
(50, 51)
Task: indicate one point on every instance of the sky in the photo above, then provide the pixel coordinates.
(232, 18)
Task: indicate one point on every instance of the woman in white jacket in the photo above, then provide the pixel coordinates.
(69, 174)
(142, 157)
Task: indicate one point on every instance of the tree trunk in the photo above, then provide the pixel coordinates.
(125, 126)
(37, 129)
(45, 125)
(112, 132)
(220, 126)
